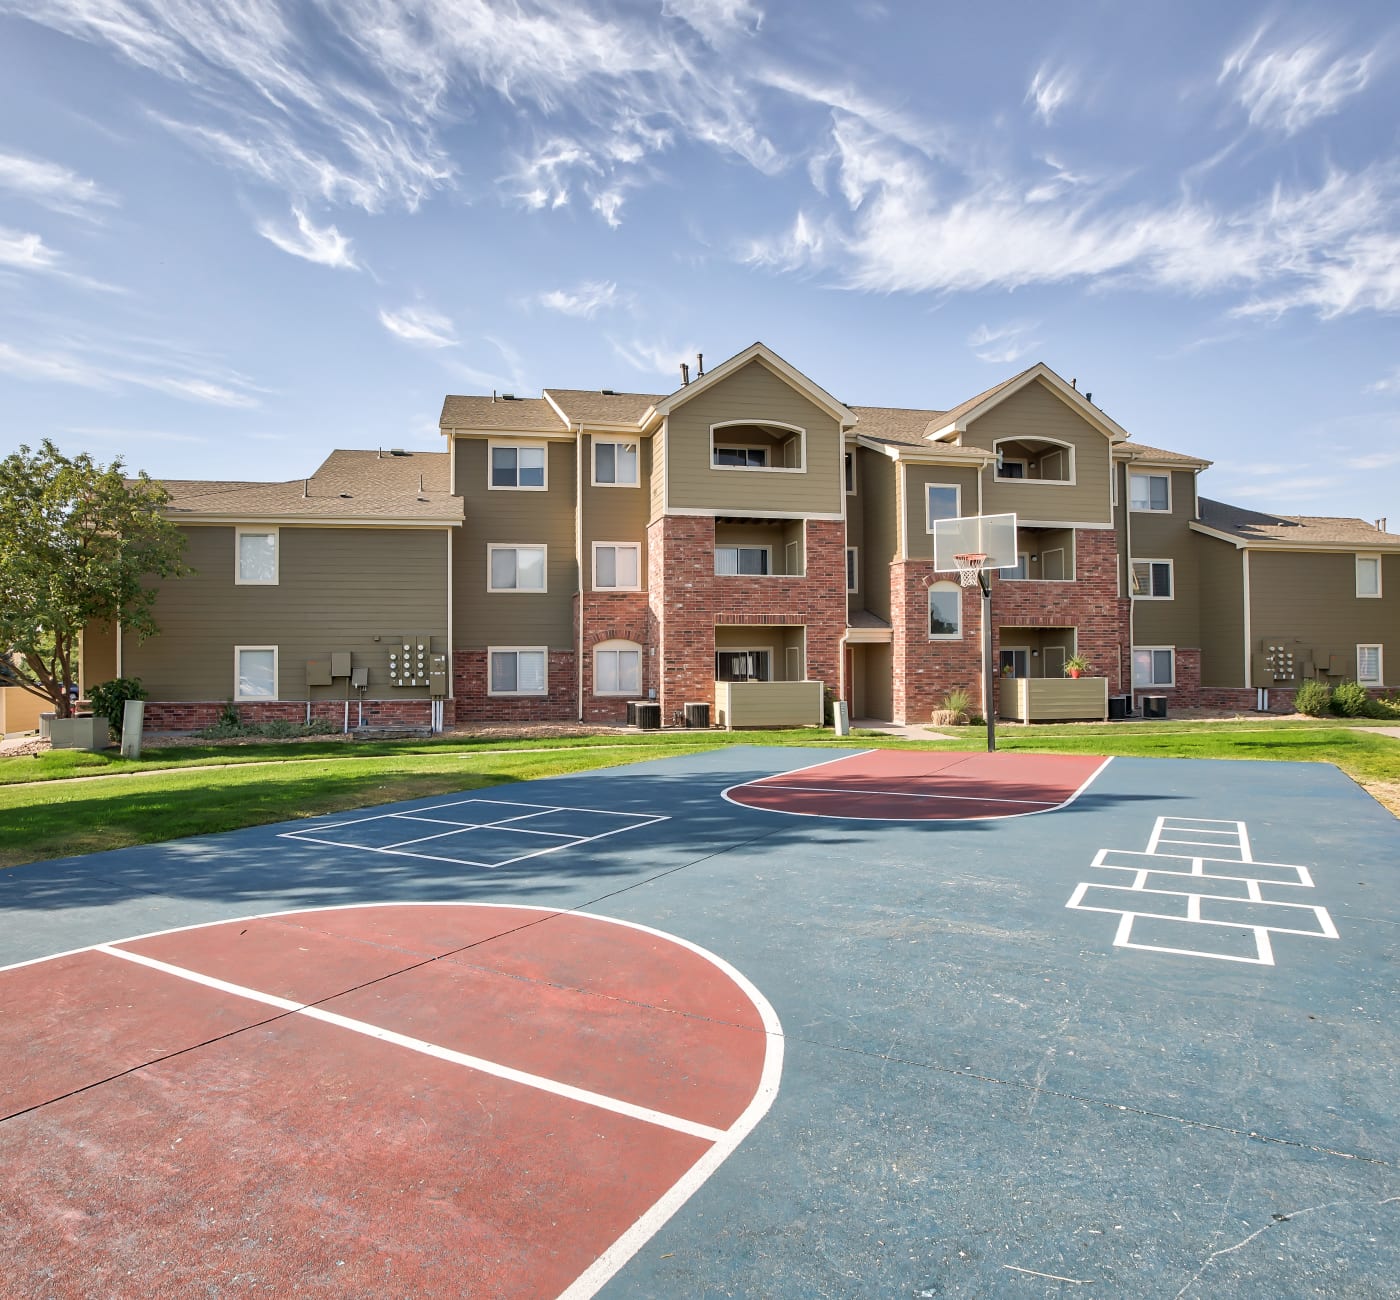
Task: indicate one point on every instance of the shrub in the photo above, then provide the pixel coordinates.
(280, 729)
(1349, 700)
(952, 710)
(1313, 698)
(109, 700)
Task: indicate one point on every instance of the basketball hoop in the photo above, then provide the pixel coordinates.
(969, 568)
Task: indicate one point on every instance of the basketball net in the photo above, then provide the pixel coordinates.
(969, 567)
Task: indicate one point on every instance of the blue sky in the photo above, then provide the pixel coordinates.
(234, 236)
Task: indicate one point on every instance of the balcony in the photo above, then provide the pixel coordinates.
(768, 704)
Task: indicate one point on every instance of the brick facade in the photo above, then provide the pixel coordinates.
(614, 616)
(474, 703)
(195, 715)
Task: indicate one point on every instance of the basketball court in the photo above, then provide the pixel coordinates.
(753, 1022)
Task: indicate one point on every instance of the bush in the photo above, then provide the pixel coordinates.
(956, 700)
(1313, 698)
(109, 700)
(1349, 700)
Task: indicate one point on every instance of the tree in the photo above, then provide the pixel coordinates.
(76, 542)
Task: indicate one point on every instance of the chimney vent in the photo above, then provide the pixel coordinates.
(685, 374)
(699, 365)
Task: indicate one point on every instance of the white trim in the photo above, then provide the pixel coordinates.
(257, 531)
(543, 588)
(852, 570)
(854, 488)
(264, 522)
(746, 650)
(1148, 509)
(635, 442)
(516, 444)
(1368, 555)
(618, 645)
(492, 650)
(1248, 639)
(957, 511)
(771, 361)
(238, 676)
(769, 468)
(1379, 679)
(747, 546)
(707, 512)
(451, 676)
(1028, 439)
(616, 546)
(1171, 579)
(943, 587)
(1153, 650)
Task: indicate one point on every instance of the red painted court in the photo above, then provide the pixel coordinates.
(908, 785)
(425, 1100)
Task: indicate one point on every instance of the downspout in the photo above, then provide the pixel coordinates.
(451, 660)
(1248, 633)
(578, 552)
(1127, 576)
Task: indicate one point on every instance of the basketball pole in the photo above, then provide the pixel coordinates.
(984, 580)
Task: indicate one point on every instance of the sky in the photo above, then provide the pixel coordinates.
(235, 236)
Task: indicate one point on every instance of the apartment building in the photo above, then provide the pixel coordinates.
(747, 536)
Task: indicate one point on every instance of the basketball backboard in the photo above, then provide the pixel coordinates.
(991, 535)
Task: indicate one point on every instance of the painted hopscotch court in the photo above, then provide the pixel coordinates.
(758, 1021)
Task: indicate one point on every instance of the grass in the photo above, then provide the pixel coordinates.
(197, 790)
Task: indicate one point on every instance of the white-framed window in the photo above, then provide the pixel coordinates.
(1368, 575)
(740, 457)
(617, 566)
(1036, 460)
(755, 561)
(942, 501)
(515, 568)
(1149, 492)
(1008, 467)
(256, 562)
(1154, 665)
(743, 665)
(617, 668)
(850, 472)
(1152, 580)
(1368, 665)
(852, 569)
(518, 467)
(785, 453)
(517, 670)
(945, 611)
(1021, 572)
(255, 672)
(615, 464)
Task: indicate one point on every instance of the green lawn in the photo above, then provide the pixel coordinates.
(177, 792)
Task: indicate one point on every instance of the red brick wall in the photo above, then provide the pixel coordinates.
(924, 670)
(615, 616)
(474, 704)
(195, 715)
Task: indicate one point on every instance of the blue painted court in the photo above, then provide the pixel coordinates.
(1134, 1038)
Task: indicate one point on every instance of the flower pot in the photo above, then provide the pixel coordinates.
(1074, 672)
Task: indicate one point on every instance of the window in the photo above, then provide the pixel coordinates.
(1152, 579)
(743, 666)
(1149, 492)
(518, 670)
(617, 668)
(850, 469)
(255, 672)
(1154, 666)
(1021, 572)
(617, 566)
(741, 457)
(944, 611)
(515, 568)
(615, 464)
(742, 560)
(943, 502)
(1368, 665)
(1010, 468)
(1368, 575)
(522, 468)
(256, 562)
(852, 569)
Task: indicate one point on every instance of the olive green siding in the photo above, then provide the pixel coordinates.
(1120, 524)
(616, 514)
(500, 517)
(875, 672)
(855, 526)
(1036, 412)
(1312, 598)
(879, 537)
(1220, 578)
(1167, 536)
(657, 446)
(99, 655)
(918, 540)
(338, 589)
(752, 393)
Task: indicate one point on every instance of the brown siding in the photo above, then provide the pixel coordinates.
(1221, 584)
(879, 538)
(917, 538)
(873, 662)
(528, 518)
(657, 443)
(753, 393)
(1036, 412)
(1166, 536)
(1312, 598)
(615, 514)
(354, 589)
(99, 657)
(855, 526)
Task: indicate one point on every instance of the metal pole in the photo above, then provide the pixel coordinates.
(984, 580)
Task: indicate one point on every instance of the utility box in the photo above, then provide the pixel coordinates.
(408, 661)
(340, 663)
(318, 672)
(437, 674)
(359, 678)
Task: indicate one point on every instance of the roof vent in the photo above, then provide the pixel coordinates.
(345, 496)
(608, 392)
(508, 397)
(399, 451)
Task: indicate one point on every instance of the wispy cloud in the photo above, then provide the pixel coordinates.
(586, 299)
(1004, 344)
(1387, 384)
(718, 21)
(420, 325)
(1373, 460)
(1288, 86)
(23, 250)
(101, 433)
(654, 358)
(50, 184)
(90, 371)
(801, 245)
(324, 245)
(1050, 89)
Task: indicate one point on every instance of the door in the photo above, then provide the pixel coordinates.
(1053, 659)
(794, 663)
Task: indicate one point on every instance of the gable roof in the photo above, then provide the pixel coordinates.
(592, 406)
(951, 423)
(1130, 451)
(503, 415)
(1257, 528)
(349, 487)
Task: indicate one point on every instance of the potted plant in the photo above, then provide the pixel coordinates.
(1077, 666)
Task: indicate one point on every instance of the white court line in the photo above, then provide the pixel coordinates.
(596, 1099)
(895, 794)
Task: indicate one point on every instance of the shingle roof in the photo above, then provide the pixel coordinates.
(1300, 530)
(508, 415)
(349, 485)
(1134, 450)
(592, 406)
(904, 424)
(945, 418)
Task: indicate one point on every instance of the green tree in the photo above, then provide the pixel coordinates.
(76, 541)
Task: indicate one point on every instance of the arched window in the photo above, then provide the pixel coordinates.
(617, 668)
(1035, 460)
(945, 611)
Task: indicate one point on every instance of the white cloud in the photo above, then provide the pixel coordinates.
(718, 21)
(586, 299)
(421, 326)
(1388, 384)
(1374, 460)
(324, 245)
(1290, 86)
(800, 246)
(48, 183)
(1050, 90)
(25, 251)
(98, 433)
(656, 358)
(1005, 344)
(64, 367)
